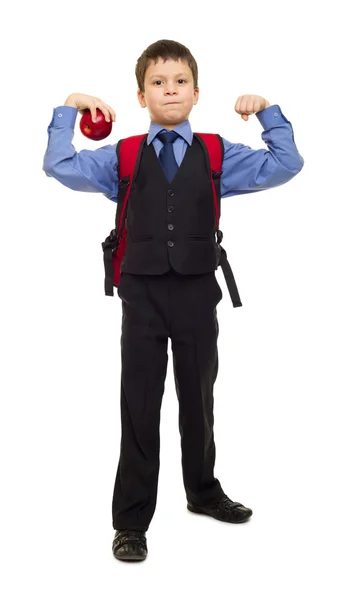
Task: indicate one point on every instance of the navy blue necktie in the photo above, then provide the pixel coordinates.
(166, 155)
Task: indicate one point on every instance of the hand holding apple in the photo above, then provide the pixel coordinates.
(96, 123)
(97, 128)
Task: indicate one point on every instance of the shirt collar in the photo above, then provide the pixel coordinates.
(183, 129)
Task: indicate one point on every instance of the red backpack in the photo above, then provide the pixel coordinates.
(129, 152)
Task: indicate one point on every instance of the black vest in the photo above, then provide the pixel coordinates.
(171, 225)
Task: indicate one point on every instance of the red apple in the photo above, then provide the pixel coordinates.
(95, 131)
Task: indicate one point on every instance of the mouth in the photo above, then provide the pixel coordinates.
(172, 103)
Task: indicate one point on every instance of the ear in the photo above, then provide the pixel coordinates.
(196, 95)
(141, 98)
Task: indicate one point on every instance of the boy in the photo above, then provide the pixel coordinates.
(167, 285)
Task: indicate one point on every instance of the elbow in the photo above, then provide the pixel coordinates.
(49, 168)
(297, 168)
(46, 167)
(50, 163)
(302, 162)
(297, 164)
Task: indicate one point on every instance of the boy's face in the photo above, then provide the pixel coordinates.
(166, 82)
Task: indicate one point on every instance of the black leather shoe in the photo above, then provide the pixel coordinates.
(129, 545)
(224, 510)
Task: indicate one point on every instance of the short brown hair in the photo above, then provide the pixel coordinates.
(166, 49)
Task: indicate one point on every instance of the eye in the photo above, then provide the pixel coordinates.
(159, 81)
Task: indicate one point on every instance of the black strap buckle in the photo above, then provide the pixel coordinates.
(219, 236)
(111, 241)
(109, 247)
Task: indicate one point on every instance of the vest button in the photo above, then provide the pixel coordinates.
(170, 243)
(170, 208)
(170, 227)
(171, 192)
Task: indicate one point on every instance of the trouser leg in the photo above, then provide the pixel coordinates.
(194, 333)
(144, 358)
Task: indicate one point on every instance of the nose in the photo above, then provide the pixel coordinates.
(171, 88)
(169, 97)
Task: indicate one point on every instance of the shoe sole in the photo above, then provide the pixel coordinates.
(202, 512)
(130, 558)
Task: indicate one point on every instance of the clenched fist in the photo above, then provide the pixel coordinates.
(249, 104)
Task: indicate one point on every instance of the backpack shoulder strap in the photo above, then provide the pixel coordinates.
(213, 147)
(129, 151)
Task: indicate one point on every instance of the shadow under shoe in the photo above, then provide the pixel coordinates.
(129, 545)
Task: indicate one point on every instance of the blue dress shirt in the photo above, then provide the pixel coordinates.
(245, 170)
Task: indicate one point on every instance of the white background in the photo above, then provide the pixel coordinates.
(277, 392)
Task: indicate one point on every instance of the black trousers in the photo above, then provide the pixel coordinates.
(155, 308)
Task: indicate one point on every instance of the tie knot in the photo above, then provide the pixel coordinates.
(168, 137)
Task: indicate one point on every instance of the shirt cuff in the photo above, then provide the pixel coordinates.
(63, 116)
(271, 116)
